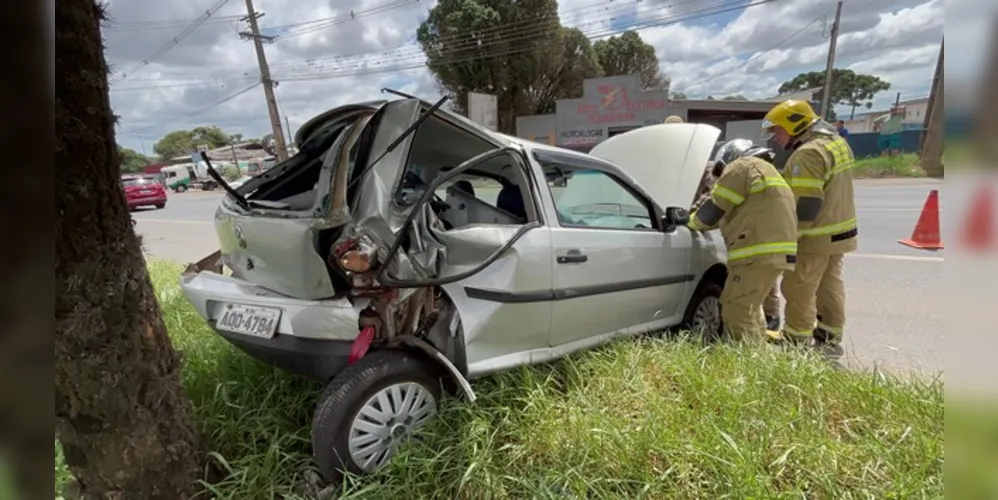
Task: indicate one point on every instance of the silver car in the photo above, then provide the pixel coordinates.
(405, 250)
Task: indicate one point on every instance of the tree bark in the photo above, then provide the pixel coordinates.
(122, 416)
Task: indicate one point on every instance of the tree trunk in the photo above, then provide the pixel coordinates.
(122, 416)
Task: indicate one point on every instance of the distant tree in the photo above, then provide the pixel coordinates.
(183, 142)
(132, 161)
(678, 96)
(516, 50)
(737, 97)
(236, 138)
(120, 412)
(628, 54)
(848, 87)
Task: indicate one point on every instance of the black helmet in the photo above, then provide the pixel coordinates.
(740, 148)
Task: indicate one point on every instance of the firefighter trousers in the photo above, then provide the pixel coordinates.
(816, 299)
(741, 301)
(771, 306)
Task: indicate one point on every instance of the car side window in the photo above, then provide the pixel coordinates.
(593, 198)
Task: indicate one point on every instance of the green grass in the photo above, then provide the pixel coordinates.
(638, 419)
(904, 165)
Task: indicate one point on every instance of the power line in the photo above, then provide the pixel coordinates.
(514, 28)
(176, 39)
(164, 24)
(321, 24)
(192, 114)
(411, 51)
(760, 54)
(416, 59)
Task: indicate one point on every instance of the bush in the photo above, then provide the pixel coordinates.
(904, 165)
(639, 419)
(231, 173)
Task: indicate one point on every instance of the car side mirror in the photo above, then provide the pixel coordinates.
(675, 217)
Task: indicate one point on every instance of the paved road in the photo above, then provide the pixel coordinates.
(895, 315)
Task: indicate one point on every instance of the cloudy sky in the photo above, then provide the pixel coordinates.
(168, 77)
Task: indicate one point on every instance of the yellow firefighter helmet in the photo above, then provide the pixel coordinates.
(794, 116)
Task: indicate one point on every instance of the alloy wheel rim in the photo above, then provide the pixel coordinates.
(707, 317)
(386, 420)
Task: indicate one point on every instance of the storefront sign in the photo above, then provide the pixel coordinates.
(576, 137)
(615, 106)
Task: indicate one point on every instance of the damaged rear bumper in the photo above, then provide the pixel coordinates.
(312, 338)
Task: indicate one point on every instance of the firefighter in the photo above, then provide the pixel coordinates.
(819, 170)
(754, 208)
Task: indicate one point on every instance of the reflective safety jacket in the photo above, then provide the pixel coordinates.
(820, 167)
(755, 209)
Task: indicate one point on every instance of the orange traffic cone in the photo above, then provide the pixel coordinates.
(979, 229)
(926, 234)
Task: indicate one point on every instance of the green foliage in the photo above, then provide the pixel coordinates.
(628, 54)
(903, 165)
(132, 161)
(679, 96)
(185, 142)
(231, 173)
(848, 87)
(516, 50)
(639, 419)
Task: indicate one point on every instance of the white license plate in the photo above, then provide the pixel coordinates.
(256, 321)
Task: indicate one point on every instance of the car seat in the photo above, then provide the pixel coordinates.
(465, 186)
(510, 199)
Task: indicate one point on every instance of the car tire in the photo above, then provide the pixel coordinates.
(389, 375)
(181, 188)
(703, 313)
(161, 205)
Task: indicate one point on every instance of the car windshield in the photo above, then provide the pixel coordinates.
(138, 181)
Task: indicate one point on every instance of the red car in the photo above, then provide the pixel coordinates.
(143, 191)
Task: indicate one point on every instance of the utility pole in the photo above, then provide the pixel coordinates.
(931, 149)
(268, 83)
(291, 138)
(826, 93)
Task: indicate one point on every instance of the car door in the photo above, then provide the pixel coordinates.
(616, 269)
(497, 274)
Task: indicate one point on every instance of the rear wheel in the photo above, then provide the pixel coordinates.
(703, 314)
(370, 408)
(161, 205)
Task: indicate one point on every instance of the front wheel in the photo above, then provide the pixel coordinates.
(370, 408)
(181, 188)
(703, 314)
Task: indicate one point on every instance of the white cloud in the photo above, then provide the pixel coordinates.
(351, 60)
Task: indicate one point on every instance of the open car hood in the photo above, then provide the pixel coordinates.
(667, 160)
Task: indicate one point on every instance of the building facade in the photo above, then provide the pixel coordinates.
(914, 112)
(613, 105)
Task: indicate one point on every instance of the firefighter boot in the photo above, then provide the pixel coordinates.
(772, 322)
(826, 344)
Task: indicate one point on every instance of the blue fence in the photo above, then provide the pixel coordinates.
(867, 144)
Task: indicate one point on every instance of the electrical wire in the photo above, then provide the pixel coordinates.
(416, 59)
(321, 24)
(532, 25)
(757, 54)
(164, 24)
(176, 39)
(186, 116)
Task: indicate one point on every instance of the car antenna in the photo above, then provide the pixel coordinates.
(398, 140)
(240, 199)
